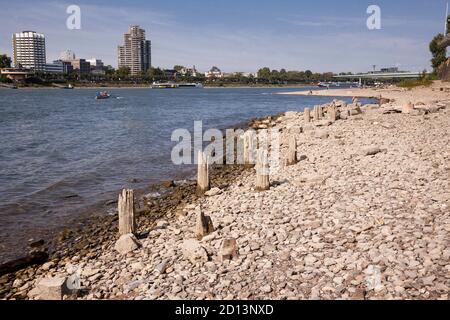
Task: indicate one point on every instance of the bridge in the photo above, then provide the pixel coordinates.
(380, 76)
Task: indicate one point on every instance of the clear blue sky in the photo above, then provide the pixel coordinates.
(239, 35)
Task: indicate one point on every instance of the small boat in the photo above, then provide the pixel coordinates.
(68, 87)
(102, 95)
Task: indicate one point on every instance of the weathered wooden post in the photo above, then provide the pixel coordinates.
(332, 113)
(307, 115)
(203, 173)
(262, 171)
(249, 149)
(127, 222)
(292, 151)
(204, 225)
(316, 114)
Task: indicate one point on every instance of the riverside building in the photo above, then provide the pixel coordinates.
(29, 50)
(135, 53)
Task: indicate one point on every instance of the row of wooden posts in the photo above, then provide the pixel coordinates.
(126, 204)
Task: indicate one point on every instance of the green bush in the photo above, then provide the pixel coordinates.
(425, 81)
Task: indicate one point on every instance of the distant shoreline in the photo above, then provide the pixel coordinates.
(149, 87)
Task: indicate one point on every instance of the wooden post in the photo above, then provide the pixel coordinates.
(292, 152)
(203, 173)
(262, 171)
(127, 222)
(249, 149)
(316, 115)
(332, 113)
(307, 115)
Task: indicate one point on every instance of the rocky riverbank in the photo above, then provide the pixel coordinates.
(364, 214)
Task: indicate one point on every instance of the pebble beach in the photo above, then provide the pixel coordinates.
(364, 214)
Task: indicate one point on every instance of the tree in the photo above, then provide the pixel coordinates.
(308, 74)
(123, 72)
(178, 68)
(438, 52)
(264, 74)
(5, 61)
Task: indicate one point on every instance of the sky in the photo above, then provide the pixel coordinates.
(239, 35)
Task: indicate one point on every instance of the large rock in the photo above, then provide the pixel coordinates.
(50, 289)
(194, 252)
(127, 243)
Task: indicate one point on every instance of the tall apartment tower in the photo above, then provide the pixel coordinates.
(29, 50)
(135, 53)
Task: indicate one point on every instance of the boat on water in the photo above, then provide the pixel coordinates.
(102, 95)
(68, 87)
(190, 85)
(164, 85)
(172, 85)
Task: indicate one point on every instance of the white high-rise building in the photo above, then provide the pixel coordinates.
(67, 55)
(29, 50)
(135, 53)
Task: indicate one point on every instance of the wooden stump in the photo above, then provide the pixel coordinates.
(316, 114)
(332, 113)
(307, 115)
(262, 171)
(292, 152)
(127, 222)
(203, 184)
(204, 225)
(249, 149)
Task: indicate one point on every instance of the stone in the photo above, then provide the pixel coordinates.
(127, 243)
(194, 252)
(51, 289)
(310, 260)
(162, 267)
(213, 192)
(137, 266)
(371, 151)
(321, 134)
(228, 250)
(266, 289)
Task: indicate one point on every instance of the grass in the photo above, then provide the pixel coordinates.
(424, 81)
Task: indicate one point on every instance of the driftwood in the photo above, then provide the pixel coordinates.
(127, 222)
(34, 258)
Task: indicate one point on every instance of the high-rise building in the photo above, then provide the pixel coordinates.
(29, 50)
(135, 53)
(67, 55)
(81, 66)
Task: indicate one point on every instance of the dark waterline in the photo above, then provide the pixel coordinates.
(62, 151)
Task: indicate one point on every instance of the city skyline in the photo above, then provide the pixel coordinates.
(294, 35)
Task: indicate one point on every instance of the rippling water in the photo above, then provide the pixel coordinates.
(62, 151)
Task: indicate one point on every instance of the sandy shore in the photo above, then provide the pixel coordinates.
(364, 215)
(400, 95)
